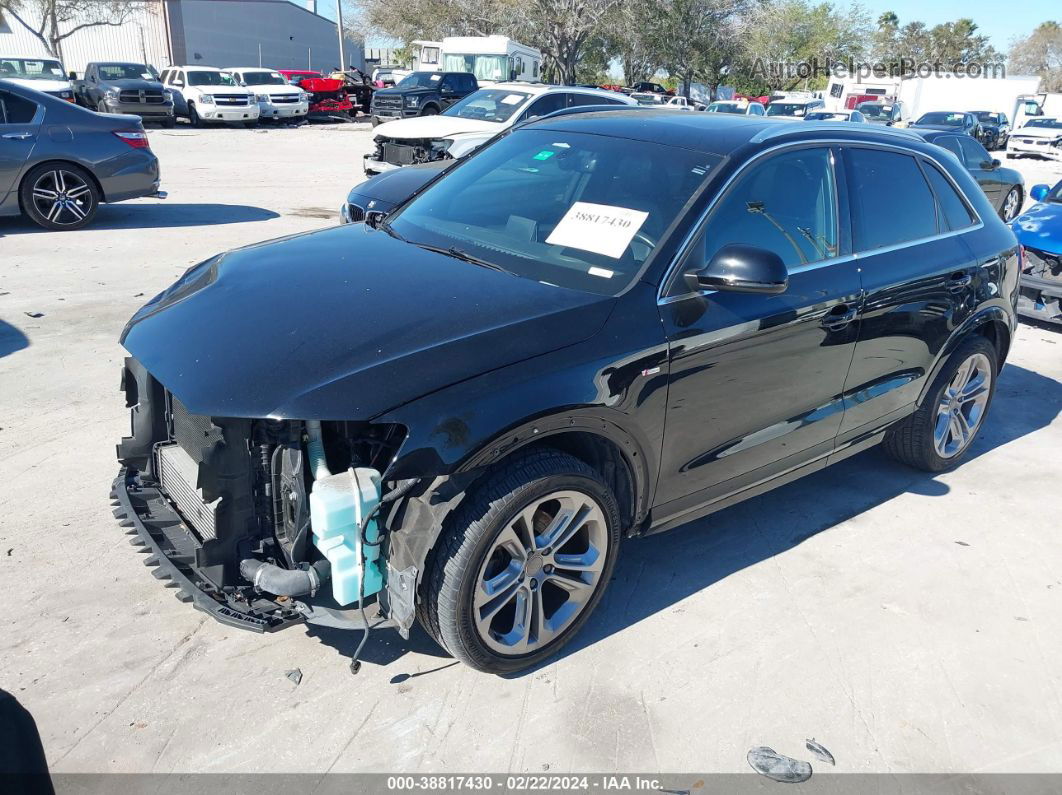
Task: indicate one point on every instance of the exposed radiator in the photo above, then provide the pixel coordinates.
(178, 475)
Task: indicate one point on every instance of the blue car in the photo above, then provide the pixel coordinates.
(1039, 230)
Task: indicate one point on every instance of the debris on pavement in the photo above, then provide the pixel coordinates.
(778, 767)
(295, 675)
(33, 314)
(820, 751)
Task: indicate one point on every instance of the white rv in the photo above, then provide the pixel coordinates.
(492, 59)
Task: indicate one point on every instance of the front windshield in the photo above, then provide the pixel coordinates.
(1053, 124)
(210, 79)
(1055, 195)
(987, 118)
(420, 80)
(725, 107)
(786, 109)
(874, 111)
(601, 205)
(127, 71)
(264, 79)
(484, 67)
(647, 99)
(31, 69)
(943, 119)
(488, 104)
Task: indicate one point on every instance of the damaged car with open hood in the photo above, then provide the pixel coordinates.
(600, 325)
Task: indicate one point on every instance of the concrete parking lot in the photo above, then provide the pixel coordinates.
(909, 623)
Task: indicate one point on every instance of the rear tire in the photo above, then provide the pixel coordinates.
(939, 435)
(522, 563)
(59, 196)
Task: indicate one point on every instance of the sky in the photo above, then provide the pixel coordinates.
(1001, 21)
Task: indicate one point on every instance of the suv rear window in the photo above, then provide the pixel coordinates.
(891, 200)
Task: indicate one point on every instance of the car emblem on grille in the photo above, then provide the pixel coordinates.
(142, 95)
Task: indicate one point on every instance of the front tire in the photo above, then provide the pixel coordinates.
(59, 196)
(522, 563)
(429, 110)
(193, 116)
(939, 435)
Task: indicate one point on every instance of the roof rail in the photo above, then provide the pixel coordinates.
(783, 128)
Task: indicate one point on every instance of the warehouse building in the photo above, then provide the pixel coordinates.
(276, 33)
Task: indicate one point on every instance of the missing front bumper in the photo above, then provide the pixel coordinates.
(158, 531)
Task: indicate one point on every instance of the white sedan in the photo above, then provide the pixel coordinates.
(1038, 137)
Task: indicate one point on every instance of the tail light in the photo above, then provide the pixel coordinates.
(135, 138)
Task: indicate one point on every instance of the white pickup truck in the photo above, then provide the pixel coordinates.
(204, 94)
(44, 74)
(276, 97)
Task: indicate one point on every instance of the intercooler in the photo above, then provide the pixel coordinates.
(178, 475)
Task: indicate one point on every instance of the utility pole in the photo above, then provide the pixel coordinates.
(339, 27)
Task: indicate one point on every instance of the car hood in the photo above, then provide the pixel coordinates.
(392, 187)
(132, 84)
(273, 88)
(1040, 227)
(41, 85)
(437, 126)
(1037, 132)
(344, 323)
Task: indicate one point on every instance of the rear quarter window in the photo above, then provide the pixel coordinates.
(890, 198)
(954, 212)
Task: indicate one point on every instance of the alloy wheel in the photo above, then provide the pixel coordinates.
(540, 573)
(1011, 205)
(962, 406)
(62, 197)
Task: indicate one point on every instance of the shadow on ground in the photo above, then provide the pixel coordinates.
(657, 572)
(11, 339)
(157, 215)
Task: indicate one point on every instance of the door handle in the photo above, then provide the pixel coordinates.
(959, 282)
(19, 136)
(839, 317)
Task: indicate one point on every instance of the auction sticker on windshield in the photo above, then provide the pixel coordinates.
(600, 228)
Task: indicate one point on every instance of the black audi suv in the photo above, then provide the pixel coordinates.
(599, 326)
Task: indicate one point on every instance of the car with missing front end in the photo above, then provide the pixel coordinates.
(469, 123)
(1039, 230)
(599, 326)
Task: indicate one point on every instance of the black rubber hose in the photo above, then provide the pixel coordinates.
(285, 582)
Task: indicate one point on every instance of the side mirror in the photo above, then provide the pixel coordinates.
(742, 269)
(1039, 192)
(71, 75)
(990, 165)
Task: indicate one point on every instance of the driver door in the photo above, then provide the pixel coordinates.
(756, 381)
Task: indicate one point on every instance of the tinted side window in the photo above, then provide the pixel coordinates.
(468, 83)
(786, 204)
(546, 104)
(590, 99)
(951, 143)
(973, 152)
(16, 110)
(891, 201)
(953, 210)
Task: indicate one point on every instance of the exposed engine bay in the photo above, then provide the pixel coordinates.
(246, 518)
(410, 151)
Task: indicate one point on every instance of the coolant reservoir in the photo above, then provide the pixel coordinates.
(338, 503)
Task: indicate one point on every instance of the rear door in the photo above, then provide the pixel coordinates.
(918, 279)
(19, 125)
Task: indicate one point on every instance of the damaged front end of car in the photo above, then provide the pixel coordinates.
(262, 523)
(410, 151)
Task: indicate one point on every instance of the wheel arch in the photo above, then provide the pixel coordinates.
(992, 323)
(59, 162)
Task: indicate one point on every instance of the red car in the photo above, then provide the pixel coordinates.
(328, 97)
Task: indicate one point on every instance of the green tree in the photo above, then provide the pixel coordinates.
(1039, 53)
